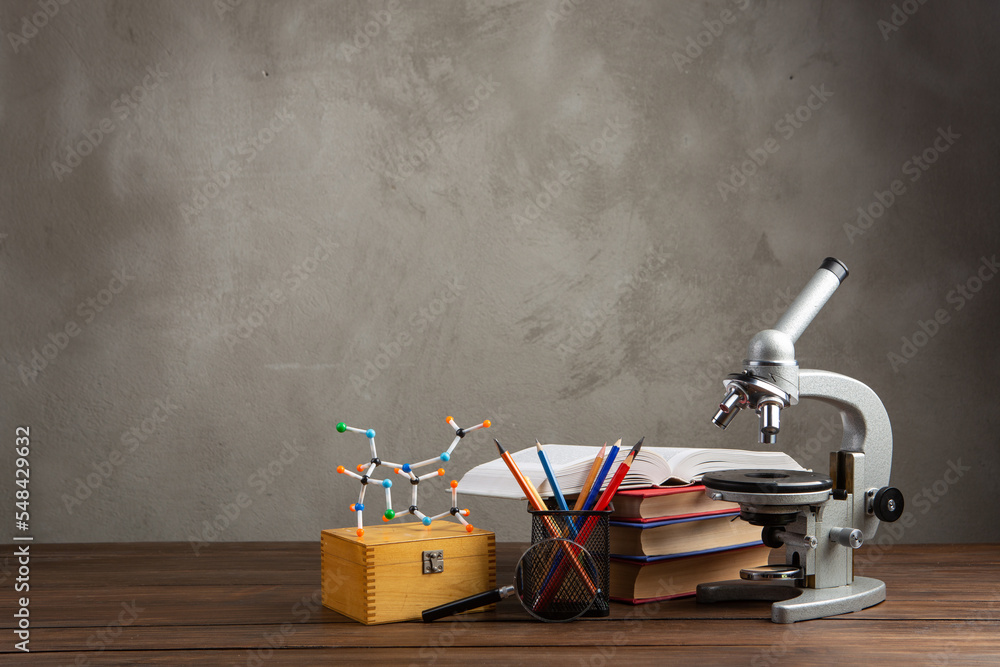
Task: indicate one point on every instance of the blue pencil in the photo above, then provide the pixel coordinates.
(595, 490)
(560, 500)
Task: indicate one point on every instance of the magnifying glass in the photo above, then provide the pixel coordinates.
(547, 591)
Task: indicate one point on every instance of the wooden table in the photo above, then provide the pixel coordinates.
(258, 604)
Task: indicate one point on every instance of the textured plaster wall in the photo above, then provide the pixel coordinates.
(228, 226)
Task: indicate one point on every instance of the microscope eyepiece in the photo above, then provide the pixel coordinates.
(836, 267)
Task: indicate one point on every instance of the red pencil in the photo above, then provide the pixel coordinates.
(605, 499)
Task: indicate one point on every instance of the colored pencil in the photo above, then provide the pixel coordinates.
(536, 501)
(556, 573)
(605, 499)
(595, 490)
(591, 476)
(556, 491)
(534, 498)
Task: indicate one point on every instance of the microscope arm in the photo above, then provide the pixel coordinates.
(866, 431)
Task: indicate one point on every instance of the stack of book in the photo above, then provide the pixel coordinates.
(666, 541)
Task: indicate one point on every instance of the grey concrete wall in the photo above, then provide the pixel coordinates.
(227, 228)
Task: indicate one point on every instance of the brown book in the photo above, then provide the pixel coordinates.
(639, 582)
(681, 536)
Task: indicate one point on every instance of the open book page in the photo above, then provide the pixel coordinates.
(652, 467)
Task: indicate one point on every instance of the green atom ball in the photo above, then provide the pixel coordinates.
(341, 427)
(390, 515)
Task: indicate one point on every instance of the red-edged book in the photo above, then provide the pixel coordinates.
(671, 502)
(678, 576)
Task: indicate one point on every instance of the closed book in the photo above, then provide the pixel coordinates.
(673, 577)
(670, 502)
(680, 536)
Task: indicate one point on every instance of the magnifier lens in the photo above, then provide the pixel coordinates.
(557, 580)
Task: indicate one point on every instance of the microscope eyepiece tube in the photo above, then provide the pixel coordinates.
(812, 298)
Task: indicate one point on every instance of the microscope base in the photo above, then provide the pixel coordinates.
(795, 603)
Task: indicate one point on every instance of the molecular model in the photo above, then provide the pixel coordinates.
(366, 470)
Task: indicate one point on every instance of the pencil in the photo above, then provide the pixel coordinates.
(591, 476)
(539, 505)
(588, 528)
(529, 489)
(595, 490)
(605, 499)
(556, 491)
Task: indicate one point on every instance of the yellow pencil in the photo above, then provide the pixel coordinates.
(591, 476)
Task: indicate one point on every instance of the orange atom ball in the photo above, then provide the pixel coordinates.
(361, 531)
(340, 469)
(396, 470)
(486, 423)
(466, 512)
(352, 507)
(469, 528)
(448, 418)
(440, 471)
(361, 467)
(454, 484)
(385, 519)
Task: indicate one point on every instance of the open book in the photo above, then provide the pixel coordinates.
(654, 466)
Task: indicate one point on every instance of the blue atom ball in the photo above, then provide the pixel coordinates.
(386, 483)
(370, 433)
(426, 520)
(406, 467)
(359, 507)
(445, 456)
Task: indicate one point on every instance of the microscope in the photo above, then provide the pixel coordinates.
(820, 520)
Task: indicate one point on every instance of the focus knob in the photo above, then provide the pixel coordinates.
(888, 504)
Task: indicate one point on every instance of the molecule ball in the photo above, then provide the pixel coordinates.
(390, 514)
(386, 483)
(361, 467)
(340, 469)
(361, 532)
(445, 456)
(370, 433)
(406, 467)
(469, 528)
(440, 472)
(352, 508)
(426, 521)
(454, 484)
(341, 427)
(486, 423)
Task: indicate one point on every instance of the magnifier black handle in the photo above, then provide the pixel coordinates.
(465, 604)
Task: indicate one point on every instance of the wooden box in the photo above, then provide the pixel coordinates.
(380, 577)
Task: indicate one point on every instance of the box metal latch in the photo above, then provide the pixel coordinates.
(433, 561)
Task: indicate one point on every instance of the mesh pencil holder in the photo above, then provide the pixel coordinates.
(589, 529)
